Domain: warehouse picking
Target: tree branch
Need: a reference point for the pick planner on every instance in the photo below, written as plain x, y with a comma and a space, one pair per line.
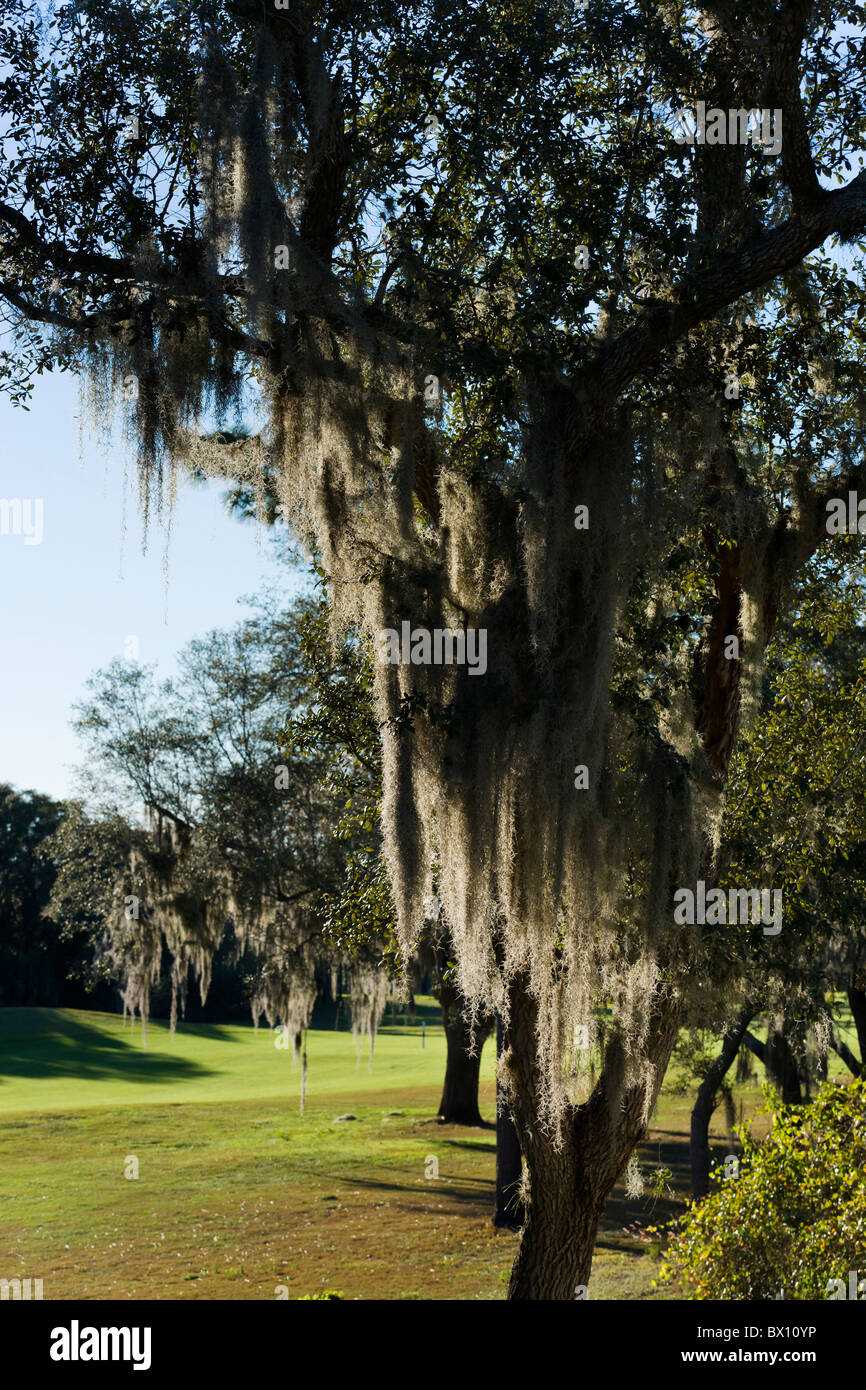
755, 1045
761, 259
798, 168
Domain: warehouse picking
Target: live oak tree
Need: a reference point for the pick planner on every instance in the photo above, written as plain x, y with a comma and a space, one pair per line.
528, 365
114, 883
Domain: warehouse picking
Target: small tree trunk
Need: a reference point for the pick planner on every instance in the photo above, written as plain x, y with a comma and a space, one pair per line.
705, 1104
508, 1208
459, 1103
782, 1065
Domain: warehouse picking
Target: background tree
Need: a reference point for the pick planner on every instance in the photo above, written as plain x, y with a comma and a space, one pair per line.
33, 964
89, 854
236, 837
363, 204
791, 1222
795, 817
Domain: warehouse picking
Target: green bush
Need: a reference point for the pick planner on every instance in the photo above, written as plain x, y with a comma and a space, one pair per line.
793, 1220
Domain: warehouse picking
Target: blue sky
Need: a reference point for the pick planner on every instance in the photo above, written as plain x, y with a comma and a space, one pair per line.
84, 593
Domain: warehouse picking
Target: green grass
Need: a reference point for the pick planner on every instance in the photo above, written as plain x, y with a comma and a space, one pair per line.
68, 1057
238, 1195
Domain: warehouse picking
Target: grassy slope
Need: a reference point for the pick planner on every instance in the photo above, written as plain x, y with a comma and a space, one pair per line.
238, 1194
63, 1057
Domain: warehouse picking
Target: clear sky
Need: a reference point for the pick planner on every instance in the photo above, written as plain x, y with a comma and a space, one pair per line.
85, 593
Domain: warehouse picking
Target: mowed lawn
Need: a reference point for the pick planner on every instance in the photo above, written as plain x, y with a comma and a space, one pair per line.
239, 1196
56, 1058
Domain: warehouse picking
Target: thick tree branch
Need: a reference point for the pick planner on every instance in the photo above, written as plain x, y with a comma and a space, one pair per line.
327, 156
756, 1046
798, 168
58, 255
760, 260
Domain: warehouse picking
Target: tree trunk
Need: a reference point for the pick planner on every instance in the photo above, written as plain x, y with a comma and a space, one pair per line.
556, 1247
780, 1062
571, 1173
459, 1104
782, 1065
508, 1208
705, 1104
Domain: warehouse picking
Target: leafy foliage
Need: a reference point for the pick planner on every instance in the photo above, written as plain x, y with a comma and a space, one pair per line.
795, 1217
30, 961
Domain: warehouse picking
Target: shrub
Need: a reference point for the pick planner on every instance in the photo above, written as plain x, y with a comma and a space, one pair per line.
793, 1220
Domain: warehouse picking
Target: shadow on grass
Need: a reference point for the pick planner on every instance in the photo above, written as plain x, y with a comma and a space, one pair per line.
478, 1145
47, 1043
665, 1150
463, 1190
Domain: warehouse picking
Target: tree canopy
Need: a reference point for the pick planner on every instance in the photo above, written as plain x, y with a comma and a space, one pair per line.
531, 367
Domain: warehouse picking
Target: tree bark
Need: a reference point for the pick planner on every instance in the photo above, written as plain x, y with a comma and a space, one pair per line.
508, 1208
565, 1205
705, 1104
571, 1173
782, 1065
780, 1062
459, 1103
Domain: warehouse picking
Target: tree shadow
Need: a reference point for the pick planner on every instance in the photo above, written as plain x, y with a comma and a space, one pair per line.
57, 1045
666, 1149
464, 1190
479, 1146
